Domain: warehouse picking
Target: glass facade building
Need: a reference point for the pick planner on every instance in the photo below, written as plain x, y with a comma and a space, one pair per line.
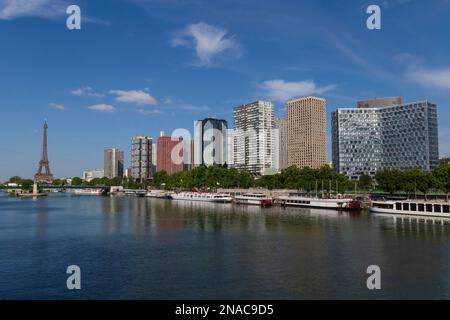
368, 139
210, 146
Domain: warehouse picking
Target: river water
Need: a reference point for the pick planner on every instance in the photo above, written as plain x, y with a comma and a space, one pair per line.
139, 248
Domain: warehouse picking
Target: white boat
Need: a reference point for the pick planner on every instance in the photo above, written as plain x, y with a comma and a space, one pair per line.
159, 194
206, 197
336, 204
412, 208
259, 199
88, 192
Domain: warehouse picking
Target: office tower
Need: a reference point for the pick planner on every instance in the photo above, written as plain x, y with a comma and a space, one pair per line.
367, 139
253, 145
89, 175
307, 132
154, 157
210, 142
188, 154
170, 154
230, 148
280, 143
141, 158
113, 163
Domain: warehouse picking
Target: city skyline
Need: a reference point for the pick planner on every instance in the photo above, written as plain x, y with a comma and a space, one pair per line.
155, 76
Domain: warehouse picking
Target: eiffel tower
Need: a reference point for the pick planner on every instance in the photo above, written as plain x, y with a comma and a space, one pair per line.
44, 165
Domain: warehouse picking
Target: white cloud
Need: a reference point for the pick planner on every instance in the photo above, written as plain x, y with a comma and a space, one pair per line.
207, 40
102, 107
86, 91
148, 112
138, 97
11, 9
281, 90
57, 106
47, 9
437, 78
189, 107
167, 101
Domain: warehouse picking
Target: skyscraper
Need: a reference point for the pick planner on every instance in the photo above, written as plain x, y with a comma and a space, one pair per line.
253, 145
188, 154
210, 142
307, 132
154, 157
141, 158
113, 163
280, 144
170, 154
378, 135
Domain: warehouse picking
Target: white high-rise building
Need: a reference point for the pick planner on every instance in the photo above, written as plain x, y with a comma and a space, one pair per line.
280, 144
230, 148
253, 141
154, 157
89, 175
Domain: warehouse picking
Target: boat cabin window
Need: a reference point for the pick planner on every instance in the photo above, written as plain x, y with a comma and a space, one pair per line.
406, 206
437, 208
446, 208
398, 206
385, 206
421, 207
429, 207
413, 207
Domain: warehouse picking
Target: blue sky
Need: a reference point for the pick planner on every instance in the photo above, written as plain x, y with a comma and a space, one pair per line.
137, 67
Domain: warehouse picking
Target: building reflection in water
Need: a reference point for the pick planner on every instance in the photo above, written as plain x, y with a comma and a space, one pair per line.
179, 249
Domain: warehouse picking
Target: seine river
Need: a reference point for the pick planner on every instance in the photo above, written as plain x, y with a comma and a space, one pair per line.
138, 248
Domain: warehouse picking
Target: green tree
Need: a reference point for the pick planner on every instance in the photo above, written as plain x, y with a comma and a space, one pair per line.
160, 178
441, 176
365, 182
27, 184
388, 180
76, 181
424, 182
15, 179
59, 182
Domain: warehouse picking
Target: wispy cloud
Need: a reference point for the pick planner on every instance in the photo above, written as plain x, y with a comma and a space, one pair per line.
193, 108
281, 90
138, 97
434, 78
58, 106
102, 107
148, 112
207, 40
393, 3
11, 9
46, 9
86, 91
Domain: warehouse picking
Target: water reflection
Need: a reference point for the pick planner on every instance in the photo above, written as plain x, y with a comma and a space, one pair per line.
152, 248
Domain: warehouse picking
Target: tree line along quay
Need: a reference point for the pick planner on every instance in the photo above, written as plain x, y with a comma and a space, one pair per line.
409, 182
